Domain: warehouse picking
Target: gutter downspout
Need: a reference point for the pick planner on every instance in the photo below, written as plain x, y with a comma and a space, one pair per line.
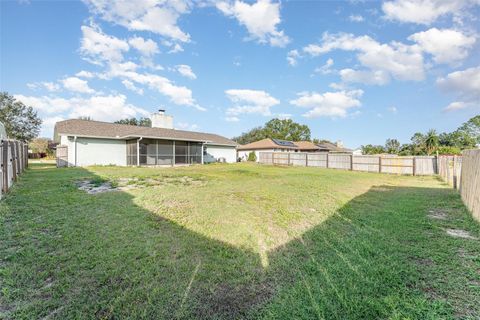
202, 151
138, 150
75, 141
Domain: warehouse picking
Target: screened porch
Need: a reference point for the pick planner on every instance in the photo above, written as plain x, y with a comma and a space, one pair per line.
155, 152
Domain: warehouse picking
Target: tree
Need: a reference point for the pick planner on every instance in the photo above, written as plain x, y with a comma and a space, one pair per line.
253, 135
392, 146
39, 145
372, 149
470, 132
252, 156
418, 143
141, 122
431, 141
21, 122
285, 129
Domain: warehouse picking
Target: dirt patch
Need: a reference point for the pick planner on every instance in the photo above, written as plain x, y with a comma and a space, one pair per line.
437, 214
229, 302
124, 184
459, 233
92, 187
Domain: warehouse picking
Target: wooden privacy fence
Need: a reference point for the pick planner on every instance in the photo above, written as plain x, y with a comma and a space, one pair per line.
450, 169
13, 161
470, 181
424, 165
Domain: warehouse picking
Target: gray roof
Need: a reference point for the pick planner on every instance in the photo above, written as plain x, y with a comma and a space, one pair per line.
98, 129
327, 146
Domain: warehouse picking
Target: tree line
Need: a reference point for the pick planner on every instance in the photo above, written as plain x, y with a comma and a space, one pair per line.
467, 136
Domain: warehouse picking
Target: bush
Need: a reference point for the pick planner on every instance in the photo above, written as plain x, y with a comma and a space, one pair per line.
449, 150
252, 156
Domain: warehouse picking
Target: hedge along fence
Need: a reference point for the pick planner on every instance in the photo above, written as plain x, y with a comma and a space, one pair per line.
424, 165
470, 181
13, 161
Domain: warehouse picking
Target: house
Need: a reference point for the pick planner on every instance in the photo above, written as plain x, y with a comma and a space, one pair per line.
333, 147
276, 145
90, 142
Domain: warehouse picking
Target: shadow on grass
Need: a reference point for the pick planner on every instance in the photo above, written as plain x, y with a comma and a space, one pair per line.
67, 254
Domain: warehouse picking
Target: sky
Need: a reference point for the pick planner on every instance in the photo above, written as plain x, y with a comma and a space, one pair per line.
355, 71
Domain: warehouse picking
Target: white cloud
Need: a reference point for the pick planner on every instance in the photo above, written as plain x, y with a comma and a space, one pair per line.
103, 108
260, 18
85, 74
98, 47
250, 102
178, 94
48, 124
400, 61
130, 86
424, 11
176, 48
328, 104
187, 126
292, 57
49, 86
465, 84
356, 18
146, 47
186, 71
326, 68
160, 17
45, 104
457, 105
446, 45
393, 110
76, 85
378, 77
232, 119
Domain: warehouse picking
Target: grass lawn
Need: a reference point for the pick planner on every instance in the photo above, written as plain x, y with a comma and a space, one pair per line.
236, 241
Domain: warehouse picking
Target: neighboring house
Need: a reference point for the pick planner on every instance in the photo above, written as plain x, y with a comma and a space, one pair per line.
102, 143
265, 145
333, 147
276, 145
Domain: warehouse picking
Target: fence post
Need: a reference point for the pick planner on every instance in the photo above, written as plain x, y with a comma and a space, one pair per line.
288, 163
454, 172
351, 162
306, 159
327, 161
414, 165
380, 164
5, 165
14, 165
26, 156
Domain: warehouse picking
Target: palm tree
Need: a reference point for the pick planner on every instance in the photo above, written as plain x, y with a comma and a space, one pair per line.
431, 141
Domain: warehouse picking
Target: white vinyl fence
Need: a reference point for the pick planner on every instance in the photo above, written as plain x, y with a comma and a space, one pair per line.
13, 161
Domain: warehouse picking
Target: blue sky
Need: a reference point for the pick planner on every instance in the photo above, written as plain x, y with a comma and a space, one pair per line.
357, 71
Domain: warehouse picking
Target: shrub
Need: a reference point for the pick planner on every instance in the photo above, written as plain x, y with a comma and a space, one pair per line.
448, 150
252, 156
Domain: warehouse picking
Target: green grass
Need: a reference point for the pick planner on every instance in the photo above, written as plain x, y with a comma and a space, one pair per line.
235, 241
